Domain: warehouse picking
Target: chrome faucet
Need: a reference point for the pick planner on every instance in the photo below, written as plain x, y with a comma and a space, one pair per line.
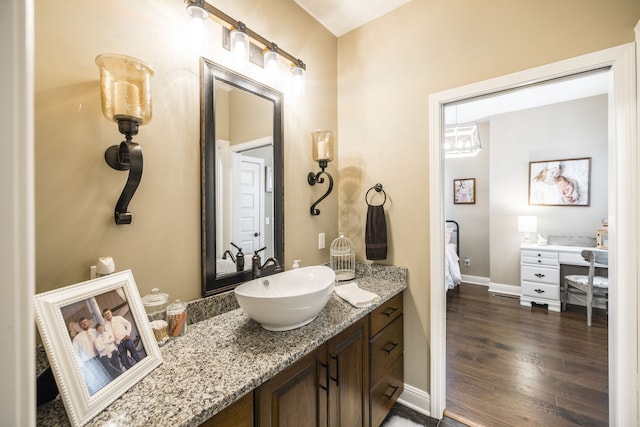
257, 266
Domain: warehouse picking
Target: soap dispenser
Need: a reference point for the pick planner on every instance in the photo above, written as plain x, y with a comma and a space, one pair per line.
239, 258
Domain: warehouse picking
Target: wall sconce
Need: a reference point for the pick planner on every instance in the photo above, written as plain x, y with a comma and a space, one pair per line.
199, 9
272, 63
299, 80
240, 46
322, 152
126, 99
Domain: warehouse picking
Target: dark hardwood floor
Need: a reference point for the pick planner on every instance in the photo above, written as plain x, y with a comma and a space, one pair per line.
509, 365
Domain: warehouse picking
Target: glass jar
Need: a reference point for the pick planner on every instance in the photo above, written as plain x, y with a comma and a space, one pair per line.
155, 305
177, 318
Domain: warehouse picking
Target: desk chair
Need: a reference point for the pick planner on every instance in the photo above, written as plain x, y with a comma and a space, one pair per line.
586, 288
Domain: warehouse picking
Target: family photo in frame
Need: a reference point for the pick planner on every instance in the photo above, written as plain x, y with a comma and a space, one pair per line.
563, 182
98, 341
464, 191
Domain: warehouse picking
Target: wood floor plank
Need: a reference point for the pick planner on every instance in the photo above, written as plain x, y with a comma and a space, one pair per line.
509, 365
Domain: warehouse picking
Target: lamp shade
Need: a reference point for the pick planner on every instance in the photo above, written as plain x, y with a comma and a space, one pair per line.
527, 224
239, 47
299, 80
322, 149
125, 87
272, 65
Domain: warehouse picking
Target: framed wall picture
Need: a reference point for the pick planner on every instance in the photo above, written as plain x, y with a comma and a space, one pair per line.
563, 182
98, 341
464, 191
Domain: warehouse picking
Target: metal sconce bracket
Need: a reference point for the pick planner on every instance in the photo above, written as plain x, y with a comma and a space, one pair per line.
126, 156
314, 178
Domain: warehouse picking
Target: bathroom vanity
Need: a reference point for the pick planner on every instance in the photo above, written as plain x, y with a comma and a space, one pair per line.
343, 369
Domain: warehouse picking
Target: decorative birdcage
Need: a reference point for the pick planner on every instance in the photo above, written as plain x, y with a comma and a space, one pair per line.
343, 258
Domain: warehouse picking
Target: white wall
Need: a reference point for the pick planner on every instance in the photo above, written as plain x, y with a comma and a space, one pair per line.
472, 219
561, 131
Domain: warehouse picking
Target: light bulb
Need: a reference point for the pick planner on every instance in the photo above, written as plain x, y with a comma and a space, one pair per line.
239, 48
272, 66
298, 80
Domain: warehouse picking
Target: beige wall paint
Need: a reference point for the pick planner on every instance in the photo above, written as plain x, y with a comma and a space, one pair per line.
76, 190
387, 69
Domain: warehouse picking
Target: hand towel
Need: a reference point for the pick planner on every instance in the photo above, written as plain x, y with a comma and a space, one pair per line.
376, 233
355, 296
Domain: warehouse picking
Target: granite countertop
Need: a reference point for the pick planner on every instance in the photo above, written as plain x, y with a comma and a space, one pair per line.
224, 357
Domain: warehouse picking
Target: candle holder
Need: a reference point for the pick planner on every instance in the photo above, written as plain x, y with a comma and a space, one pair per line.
322, 152
126, 99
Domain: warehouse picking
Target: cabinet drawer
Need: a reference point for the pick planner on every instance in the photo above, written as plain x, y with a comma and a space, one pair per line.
386, 348
541, 290
385, 393
385, 314
540, 261
539, 254
540, 274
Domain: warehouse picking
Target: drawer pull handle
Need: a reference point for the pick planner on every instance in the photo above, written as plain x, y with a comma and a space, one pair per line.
326, 376
395, 389
539, 260
337, 378
389, 349
389, 311
540, 291
539, 275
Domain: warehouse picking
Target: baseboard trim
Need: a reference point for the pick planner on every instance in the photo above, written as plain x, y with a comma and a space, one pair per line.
416, 399
475, 280
511, 290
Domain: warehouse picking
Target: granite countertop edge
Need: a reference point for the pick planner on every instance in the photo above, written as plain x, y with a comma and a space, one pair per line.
197, 381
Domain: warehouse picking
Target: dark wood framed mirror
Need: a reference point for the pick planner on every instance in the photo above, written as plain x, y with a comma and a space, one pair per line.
241, 158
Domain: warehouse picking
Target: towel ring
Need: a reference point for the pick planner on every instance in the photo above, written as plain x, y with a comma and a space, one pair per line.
378, 188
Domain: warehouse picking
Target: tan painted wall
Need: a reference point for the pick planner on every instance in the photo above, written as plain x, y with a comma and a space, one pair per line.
387, 70
76, 190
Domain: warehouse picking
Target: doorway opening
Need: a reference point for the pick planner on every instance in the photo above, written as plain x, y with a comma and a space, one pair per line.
622, 164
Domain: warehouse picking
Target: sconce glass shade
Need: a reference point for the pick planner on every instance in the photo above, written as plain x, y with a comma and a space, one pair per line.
239, 47
125, 87
322, 149
272, 65
461, 140
197, 13
299, 82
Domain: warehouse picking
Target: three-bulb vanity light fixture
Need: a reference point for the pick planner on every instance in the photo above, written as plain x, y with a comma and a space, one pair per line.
322, 152
126, 99
248, 46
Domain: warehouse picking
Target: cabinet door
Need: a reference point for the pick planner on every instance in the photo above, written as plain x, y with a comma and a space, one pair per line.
292, 398
349, 377
239, 414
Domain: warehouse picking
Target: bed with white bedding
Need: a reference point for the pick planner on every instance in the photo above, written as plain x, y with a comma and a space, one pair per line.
451, 251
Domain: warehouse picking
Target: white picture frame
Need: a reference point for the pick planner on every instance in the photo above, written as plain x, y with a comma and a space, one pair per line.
87, 384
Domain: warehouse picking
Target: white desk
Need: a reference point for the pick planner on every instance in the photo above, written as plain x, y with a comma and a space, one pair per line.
540, 272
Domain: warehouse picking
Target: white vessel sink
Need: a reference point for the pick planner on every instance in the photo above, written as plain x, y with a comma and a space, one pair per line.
287, 300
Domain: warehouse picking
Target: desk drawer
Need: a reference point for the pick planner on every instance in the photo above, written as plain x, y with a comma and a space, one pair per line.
541, 290
540, 274
539, 257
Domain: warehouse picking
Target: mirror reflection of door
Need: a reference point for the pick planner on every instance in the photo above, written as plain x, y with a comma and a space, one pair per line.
244, 148
248, 202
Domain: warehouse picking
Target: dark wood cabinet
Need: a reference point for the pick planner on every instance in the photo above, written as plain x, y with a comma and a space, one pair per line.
295, 396
348, 357
386, 352
238, 414
352, 380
